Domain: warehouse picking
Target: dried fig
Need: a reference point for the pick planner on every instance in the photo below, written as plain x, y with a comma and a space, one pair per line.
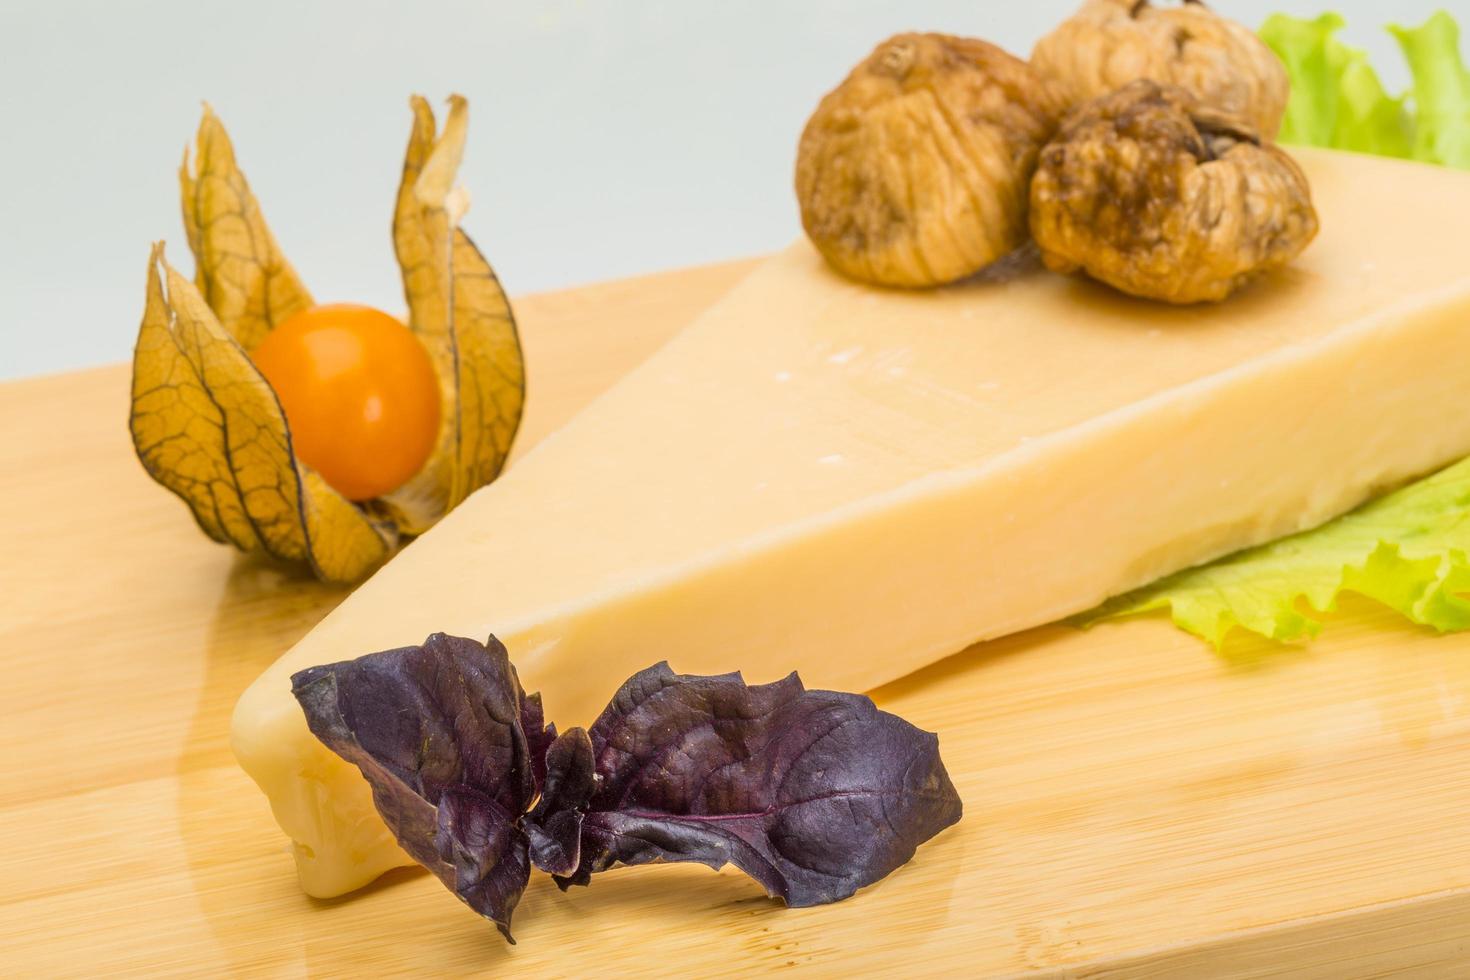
913, 171
1109, 43
1159, 197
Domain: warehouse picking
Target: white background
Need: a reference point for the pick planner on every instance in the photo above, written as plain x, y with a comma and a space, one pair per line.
607, 137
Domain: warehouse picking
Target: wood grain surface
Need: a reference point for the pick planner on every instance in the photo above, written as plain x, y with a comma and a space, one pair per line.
1135, 805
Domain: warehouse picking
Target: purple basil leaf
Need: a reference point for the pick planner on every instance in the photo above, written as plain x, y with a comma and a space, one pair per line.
814, 794
556, 843
487, 851
539, 735
570, 773
430, 723
555, 826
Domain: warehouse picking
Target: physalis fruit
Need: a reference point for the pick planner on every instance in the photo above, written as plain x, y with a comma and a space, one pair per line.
322, 435
360, 395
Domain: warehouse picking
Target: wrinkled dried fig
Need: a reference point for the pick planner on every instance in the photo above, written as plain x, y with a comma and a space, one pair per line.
913, 171
1109, 43
1159, 197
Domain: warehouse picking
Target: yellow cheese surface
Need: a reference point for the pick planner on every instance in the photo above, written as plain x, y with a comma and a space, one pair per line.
821, 476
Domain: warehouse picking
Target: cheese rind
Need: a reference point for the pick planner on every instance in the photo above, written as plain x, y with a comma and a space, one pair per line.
853, 483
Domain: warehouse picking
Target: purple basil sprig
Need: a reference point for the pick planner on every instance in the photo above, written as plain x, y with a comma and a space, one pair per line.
814, 794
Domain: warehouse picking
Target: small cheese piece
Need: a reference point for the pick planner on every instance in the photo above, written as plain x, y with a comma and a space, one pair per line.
822, 476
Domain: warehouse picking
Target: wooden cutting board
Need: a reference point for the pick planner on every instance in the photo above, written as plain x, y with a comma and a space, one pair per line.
1135, 804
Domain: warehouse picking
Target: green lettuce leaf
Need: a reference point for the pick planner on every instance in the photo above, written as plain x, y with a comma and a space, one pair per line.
1337, 99
1407, 549
1441, 90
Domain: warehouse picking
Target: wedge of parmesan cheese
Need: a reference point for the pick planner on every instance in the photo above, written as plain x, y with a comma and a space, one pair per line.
822, 476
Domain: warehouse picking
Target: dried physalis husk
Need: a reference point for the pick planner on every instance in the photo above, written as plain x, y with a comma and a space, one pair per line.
913, 171
206, 423
458, 309
238, 266
1160, 198
1109, 43
207, 426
